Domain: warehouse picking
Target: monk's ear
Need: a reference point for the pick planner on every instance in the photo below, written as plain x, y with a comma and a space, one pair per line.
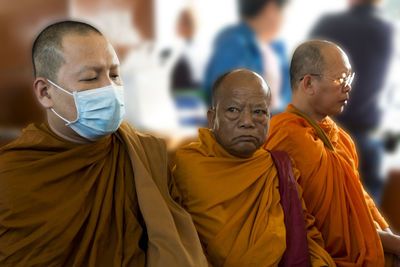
211, 117
41, 87
307, 85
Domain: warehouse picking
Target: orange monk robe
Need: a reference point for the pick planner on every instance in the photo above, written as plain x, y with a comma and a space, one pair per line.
343, 211
98, 204
235, 205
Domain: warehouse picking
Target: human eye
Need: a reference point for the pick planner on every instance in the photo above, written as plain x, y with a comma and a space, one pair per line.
260, 111
88, 76
114, 76
89, 79
233, 109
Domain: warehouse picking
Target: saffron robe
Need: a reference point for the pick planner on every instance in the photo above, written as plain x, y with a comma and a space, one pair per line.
104, 203
235, 205
344, 213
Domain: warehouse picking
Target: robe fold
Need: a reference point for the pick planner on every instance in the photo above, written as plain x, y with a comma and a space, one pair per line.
235, 204
344, 213
104, 203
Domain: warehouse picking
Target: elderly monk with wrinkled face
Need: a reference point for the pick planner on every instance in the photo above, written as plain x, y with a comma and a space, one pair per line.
326, 157
85, 188
243, 199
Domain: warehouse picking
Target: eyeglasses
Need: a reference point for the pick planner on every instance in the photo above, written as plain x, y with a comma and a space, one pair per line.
344, 81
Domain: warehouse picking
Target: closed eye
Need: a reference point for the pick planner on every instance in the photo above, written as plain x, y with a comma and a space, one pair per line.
90, 79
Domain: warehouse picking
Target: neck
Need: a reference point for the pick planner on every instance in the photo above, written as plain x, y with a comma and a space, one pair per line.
259, 27
305, 108
58, 127
354, 3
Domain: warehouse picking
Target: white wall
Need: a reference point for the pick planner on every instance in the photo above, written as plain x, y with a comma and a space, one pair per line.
301, 15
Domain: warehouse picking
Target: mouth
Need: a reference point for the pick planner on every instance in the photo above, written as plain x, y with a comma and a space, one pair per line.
344, 101
245, 138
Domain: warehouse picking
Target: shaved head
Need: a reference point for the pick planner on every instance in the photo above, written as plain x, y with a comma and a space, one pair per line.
308, 58
237, 78
47, 50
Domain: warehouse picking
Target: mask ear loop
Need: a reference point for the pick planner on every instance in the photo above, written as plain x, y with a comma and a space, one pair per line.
61, 117
58, 115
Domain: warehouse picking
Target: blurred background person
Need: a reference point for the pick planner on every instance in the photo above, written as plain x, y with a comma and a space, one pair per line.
368, 40
251, 44
184, 71
146, 76
186, 75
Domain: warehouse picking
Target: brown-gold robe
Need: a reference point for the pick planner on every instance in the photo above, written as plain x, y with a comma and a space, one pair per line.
104, 203
344, 213
235, 205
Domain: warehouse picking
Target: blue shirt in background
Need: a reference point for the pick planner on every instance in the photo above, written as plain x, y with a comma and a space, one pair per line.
237, 47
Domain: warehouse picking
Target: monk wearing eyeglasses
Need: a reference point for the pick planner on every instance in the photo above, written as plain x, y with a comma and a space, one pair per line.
354, 232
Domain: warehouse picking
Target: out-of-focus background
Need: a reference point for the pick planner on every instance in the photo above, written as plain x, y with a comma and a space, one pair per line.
167, 53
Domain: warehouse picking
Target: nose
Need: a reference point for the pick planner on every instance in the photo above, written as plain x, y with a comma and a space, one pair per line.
246, 119
109, 81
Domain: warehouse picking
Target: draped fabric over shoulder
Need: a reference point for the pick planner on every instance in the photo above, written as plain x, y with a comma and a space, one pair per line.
235, 205
65, 204
344, 213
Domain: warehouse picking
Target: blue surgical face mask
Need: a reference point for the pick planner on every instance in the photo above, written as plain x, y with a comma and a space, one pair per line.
99, 111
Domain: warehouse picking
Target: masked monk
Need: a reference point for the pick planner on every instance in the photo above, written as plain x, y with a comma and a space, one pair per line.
243, 199
84, 189
325, 155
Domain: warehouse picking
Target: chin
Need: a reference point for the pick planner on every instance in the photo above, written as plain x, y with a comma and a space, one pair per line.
336, 112
245, 152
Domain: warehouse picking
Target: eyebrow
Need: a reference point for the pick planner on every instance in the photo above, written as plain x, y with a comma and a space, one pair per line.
258, 104
261, 105
96, 68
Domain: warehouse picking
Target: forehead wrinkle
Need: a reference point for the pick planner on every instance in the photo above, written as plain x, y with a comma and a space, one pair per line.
249, 92
254, 99
241, 82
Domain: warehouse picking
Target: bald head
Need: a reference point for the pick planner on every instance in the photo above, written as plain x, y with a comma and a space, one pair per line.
238, 78
47, 50
307, 58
